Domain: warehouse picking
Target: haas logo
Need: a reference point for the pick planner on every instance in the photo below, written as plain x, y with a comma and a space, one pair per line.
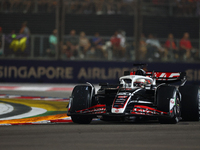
165, 75
172, 101
116, 110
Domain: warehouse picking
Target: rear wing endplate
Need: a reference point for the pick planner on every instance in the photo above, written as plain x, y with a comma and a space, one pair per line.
165, 77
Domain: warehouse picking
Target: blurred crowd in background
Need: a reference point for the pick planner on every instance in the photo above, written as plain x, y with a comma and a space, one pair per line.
117, 47
78, 46
99, 7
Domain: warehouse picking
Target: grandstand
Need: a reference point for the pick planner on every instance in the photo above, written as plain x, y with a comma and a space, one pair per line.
157, 18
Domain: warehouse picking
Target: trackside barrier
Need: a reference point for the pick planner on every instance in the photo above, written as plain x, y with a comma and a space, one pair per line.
39, 71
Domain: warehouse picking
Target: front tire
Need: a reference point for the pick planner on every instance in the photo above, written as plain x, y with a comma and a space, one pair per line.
82, 98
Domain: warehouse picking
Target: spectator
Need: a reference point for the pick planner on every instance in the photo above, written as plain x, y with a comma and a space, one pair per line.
17, 45
122, 35
27, 6
97, 41
24, 29
185, 47
172, 50
127, 6
72, 43
53, 42
76, 8
89, 8
84, 44
14, 43
97, 45
154, 49
180, 7
118, 51
186, 7
110, 9
99, 7
143, 47
66, 52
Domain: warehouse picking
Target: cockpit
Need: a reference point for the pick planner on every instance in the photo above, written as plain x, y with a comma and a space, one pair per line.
135, 81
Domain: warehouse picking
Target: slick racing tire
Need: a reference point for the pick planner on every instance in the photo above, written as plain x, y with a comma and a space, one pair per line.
81, 119
82, 98
190, 103
164, 95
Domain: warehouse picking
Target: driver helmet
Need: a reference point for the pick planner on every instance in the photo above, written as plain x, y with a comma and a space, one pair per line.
140, 83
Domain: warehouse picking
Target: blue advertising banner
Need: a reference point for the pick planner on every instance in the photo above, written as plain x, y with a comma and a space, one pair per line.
38, 71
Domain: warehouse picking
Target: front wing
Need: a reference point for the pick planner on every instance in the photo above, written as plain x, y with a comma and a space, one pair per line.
140, 110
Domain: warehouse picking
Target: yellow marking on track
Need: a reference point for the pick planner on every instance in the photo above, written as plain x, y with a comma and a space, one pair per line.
48, 105
35, 119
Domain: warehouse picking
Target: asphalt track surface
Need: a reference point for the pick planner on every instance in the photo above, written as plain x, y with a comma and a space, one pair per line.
99, 135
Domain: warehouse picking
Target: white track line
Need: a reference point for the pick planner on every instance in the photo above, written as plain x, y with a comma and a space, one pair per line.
5, 108
35, 111
32, 88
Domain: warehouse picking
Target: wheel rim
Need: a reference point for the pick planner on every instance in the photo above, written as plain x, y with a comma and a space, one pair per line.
178, 107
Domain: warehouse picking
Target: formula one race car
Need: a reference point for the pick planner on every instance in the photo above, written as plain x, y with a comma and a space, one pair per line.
140, 94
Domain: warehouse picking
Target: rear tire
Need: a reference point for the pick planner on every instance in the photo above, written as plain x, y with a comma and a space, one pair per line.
164, 95
190, 103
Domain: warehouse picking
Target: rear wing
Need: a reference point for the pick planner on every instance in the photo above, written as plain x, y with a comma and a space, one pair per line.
167, 76
164, 77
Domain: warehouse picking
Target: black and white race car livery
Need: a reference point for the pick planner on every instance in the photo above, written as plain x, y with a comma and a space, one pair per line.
140, 94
